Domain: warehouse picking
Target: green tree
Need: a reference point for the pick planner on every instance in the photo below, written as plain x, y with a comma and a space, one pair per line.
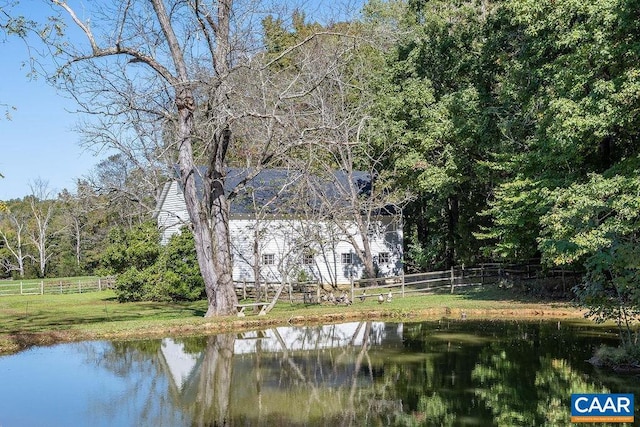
597, 225
178, 276
131, 254
430, 106
148, 271
91, 216
564, 84
138, 247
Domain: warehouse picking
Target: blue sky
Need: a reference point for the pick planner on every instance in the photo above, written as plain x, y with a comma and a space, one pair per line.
38, 142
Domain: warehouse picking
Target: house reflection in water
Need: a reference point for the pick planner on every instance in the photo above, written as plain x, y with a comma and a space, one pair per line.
180, 364
286, 375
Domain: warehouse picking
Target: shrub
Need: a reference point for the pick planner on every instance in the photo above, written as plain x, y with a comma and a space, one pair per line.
132, 285
179, 275
148, 271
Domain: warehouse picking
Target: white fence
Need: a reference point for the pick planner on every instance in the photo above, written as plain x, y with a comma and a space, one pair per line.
64, 286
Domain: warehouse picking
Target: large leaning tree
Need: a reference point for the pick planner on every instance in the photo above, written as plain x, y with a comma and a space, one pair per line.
188, 83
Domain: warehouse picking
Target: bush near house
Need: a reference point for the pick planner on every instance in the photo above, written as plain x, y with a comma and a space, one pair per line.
148, 271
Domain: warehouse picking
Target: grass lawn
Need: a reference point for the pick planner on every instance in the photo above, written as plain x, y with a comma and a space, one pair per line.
47, 319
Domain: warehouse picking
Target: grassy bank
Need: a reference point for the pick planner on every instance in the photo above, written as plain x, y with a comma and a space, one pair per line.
47, 319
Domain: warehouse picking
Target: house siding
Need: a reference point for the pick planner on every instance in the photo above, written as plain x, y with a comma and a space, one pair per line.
172, 213
288, 239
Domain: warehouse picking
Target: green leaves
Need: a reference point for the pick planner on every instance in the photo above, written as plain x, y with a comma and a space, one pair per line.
591, 217
148, 271
597, 224
138, 248
564, 73
516, 210
429, 108
526, 111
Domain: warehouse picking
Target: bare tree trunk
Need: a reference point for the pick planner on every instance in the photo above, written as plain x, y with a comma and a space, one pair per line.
211, 239
226, 296
368, 262
42, 214
15, 247
204, 83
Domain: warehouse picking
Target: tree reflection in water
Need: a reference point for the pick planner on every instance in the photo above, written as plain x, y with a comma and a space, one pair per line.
214, 382
366, 373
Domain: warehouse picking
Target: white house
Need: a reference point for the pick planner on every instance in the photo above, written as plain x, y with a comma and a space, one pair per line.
279, 233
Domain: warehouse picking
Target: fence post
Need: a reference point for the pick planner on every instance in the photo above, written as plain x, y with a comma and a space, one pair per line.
402, 282
99, 285
21, 287
79, 287
41, 287
482, 273
351, 283
244, 288
61, 286
452, 278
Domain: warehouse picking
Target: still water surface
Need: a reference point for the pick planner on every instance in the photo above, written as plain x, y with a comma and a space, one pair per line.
480, 373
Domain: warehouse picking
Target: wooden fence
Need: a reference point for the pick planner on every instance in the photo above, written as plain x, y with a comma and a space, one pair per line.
48, 287
303, 291
421, 283
524, 275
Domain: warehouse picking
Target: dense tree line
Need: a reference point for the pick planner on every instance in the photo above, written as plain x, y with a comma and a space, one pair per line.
503, 111
517, 128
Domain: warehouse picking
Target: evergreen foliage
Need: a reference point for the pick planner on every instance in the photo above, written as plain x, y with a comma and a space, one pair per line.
516, 124
147, 271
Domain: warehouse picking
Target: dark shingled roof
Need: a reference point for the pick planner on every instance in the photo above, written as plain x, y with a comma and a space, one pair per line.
278, 188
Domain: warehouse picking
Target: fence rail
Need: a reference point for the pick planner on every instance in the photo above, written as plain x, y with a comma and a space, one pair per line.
313, 292
456, 278
49, 287
460, 277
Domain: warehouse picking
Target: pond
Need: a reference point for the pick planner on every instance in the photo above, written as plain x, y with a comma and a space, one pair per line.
482, 373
